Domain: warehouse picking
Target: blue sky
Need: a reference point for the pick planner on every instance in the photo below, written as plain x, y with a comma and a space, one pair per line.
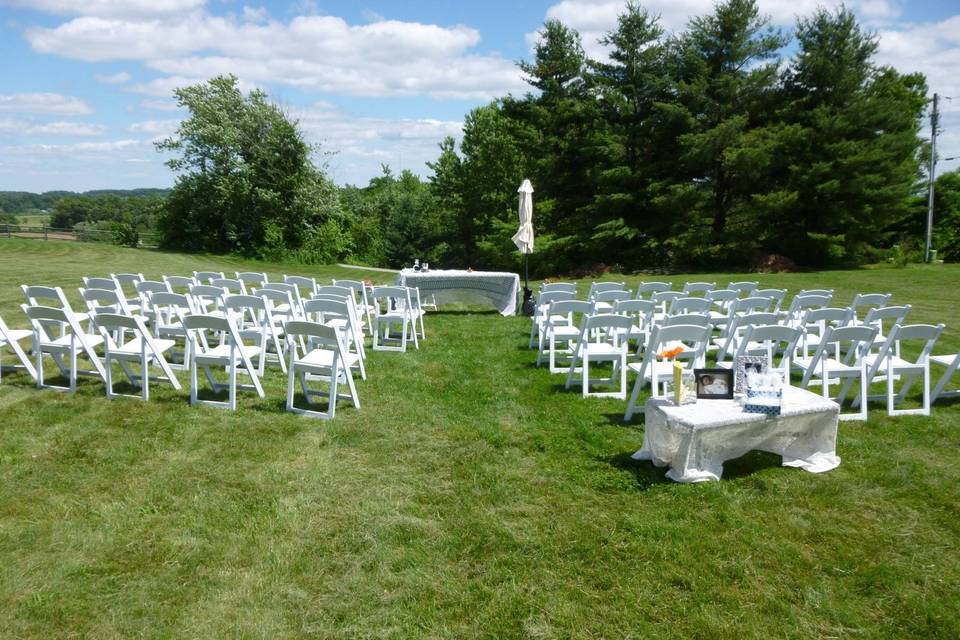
86, 85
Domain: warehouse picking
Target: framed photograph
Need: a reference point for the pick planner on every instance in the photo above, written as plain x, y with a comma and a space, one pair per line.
714, 384
745, 365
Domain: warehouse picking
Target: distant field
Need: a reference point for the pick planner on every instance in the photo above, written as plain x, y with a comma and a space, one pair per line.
37, 219
469, 497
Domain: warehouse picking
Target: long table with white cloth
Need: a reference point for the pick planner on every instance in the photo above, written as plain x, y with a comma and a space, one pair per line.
499, 289
695, 439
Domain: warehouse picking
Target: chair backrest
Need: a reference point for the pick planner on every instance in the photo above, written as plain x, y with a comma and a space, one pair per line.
545, 298
208, 322
697, 319
753, 304
570, 287
390, 297
664, 298
722, 297
206, 276
607, 327
111, 321
636, 307
127, 279
323, 309
694, 337
928, 334
776, 296
599, 287
745, 287
649, 288
816, 292
274, 297
699, 287
345, 292
772, 340
100, 283
146, 287
804, 302
170, 308
208, 298
356, 286
182, 282
689, 305
253, 278
317, 335
307, 286
611, 295
242, 302
233, 286
888, 316
868, 301
837, 316
104, 301
39, 315
574, 312
45, 296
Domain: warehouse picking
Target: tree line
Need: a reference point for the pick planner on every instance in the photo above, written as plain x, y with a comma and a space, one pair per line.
703, 148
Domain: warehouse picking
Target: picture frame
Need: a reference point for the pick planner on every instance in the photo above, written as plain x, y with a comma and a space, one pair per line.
743, 365
714, 384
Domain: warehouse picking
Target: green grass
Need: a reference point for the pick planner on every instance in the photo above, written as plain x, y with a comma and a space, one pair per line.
470, 497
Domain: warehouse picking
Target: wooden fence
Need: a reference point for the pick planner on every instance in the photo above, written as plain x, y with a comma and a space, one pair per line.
148, 240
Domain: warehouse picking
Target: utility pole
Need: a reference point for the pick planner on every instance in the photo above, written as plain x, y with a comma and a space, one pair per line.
934, 118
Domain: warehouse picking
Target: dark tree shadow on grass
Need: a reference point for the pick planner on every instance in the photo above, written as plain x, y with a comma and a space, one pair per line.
643, 471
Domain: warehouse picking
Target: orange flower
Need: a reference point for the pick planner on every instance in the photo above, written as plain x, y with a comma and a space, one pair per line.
666, 355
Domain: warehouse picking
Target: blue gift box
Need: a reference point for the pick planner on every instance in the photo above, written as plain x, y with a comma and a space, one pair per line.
764, 400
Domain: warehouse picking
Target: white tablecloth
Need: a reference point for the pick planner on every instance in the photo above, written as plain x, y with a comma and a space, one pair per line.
695, 439
455, 285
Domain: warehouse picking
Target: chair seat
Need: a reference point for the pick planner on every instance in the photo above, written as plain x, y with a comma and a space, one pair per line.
133, 348
17, 334
565, 333
63, 342
594, 349
836, 368
323, 359
899, 364
946, 360
221, 353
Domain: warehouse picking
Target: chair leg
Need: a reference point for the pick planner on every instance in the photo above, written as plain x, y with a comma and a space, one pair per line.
945, 379
291, 374
632, 403
233, 385
586, 375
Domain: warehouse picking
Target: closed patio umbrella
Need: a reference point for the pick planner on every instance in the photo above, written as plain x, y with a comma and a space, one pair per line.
523, 238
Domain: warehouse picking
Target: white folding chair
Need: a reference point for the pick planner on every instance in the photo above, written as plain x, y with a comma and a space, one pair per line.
603, 338
168, 311
306, 285
563, 321
129, 280
663, 299
840, 357
885, 318
721, 300
40, 296
11, 338
254, 322
147, 287
814, 323
142, 348
604, 301
641, 312
324, 360
951, 363
296, 309
393, 310
732, 334
802, 303
539, 317
71, 344
340, 315
895, 366
693, 338
362, 299
232, 354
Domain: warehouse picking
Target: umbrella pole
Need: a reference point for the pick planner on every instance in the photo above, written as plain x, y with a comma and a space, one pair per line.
528, 305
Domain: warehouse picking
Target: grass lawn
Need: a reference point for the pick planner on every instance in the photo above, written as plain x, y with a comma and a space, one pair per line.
470, 497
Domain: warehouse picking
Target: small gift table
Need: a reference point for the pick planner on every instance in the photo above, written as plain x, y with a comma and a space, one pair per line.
498, 289
695, 439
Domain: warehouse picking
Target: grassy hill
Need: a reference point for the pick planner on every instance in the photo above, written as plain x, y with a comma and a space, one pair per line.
469, 497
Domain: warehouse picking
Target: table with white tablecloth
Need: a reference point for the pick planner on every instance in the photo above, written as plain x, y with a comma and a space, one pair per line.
499, 289
695, 439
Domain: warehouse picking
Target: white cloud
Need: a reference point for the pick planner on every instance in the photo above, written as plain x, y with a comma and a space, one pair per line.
116, 78
44, 104
131, 8
154, 127
65, 129
325, 53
